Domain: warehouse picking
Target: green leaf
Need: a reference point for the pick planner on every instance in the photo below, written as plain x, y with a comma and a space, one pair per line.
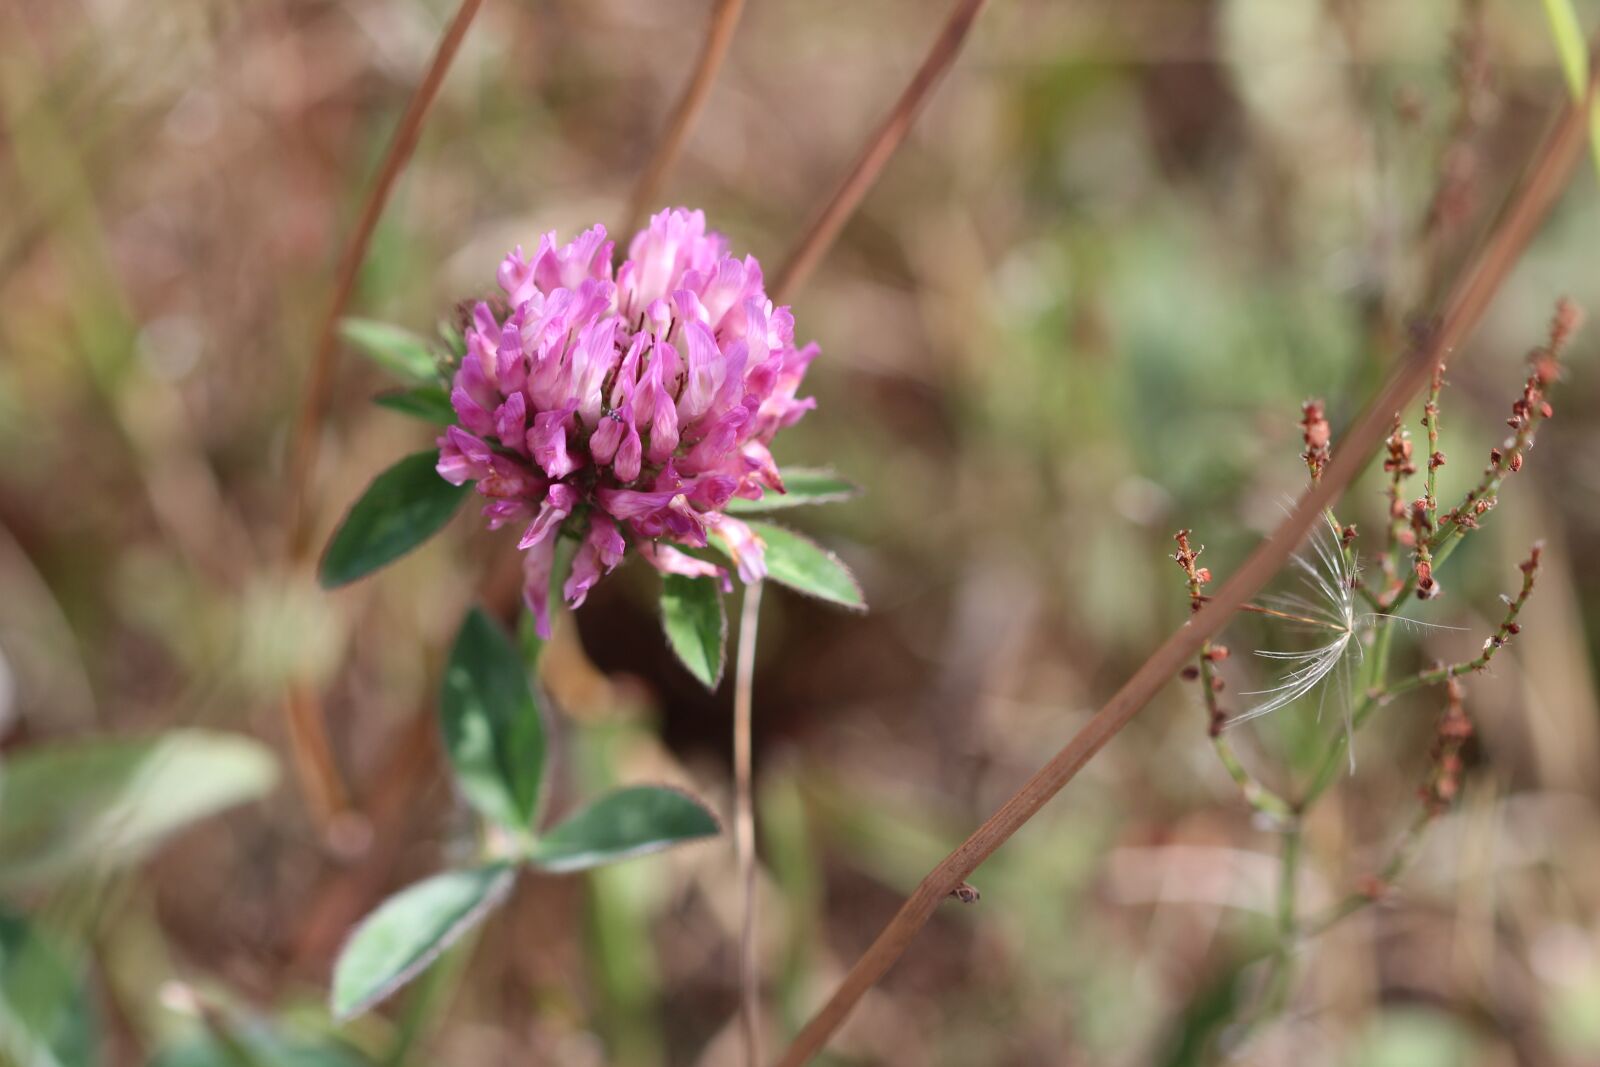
492, 728
71, 807
452, 337
403, 507
802, 564
802, 485
409, 930
697, 628
257, 1046
46, 1014
398, 351
620, 825
430, 403
1573, 51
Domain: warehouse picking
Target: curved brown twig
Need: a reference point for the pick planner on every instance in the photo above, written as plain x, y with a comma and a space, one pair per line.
315, 765
719, 34
1474, 288
822, 231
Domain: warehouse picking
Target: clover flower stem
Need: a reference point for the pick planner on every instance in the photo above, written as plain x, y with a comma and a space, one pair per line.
745, 824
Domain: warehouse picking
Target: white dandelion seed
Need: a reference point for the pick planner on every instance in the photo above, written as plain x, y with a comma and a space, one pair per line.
1330, 609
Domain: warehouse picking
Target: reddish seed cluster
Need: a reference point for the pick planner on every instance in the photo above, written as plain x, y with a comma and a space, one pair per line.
1318, 437
1398, 457
1453, 732
1185, 557
1527, 412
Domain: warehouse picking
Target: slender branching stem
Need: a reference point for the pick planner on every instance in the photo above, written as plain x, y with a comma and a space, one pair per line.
744, 821
1482, 277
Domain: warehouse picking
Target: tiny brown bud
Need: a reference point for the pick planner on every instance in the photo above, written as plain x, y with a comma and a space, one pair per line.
1495, 457
1516, 462
1218, 653
1189, 673
1436, 460
1203, 574
1217, 684
966, 893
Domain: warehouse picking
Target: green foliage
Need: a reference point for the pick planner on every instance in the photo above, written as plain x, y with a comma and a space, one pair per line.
493, 729
803, 565
496, 742
802, 485
81, 806
430, 403
1573, 51
46, 1015
257, 1047
403, 507
620, 825
410, 929
398, 351
695, 624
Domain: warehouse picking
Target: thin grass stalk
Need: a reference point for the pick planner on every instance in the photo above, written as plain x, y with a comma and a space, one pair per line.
880, 148
719, 35
1547, 175
315, 765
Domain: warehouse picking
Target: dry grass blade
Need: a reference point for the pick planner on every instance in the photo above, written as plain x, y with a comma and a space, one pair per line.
1551, 167
313, 754
880, 148
719, 34
303, 445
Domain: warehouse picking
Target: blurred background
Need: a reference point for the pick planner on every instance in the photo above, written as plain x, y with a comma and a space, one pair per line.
1079, 311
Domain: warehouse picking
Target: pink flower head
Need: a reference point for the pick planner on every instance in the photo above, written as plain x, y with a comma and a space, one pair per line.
628, 410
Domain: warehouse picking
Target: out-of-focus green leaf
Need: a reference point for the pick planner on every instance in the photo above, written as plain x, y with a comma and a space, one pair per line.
620, 825
46, 1015
696, 625
1192, 1042
453, 339
409, 930
398, 351
802, 564
430, 403
1573, 51
403, 507
257, 1047
76, 806
802, 485
1413, 1037
492, 728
